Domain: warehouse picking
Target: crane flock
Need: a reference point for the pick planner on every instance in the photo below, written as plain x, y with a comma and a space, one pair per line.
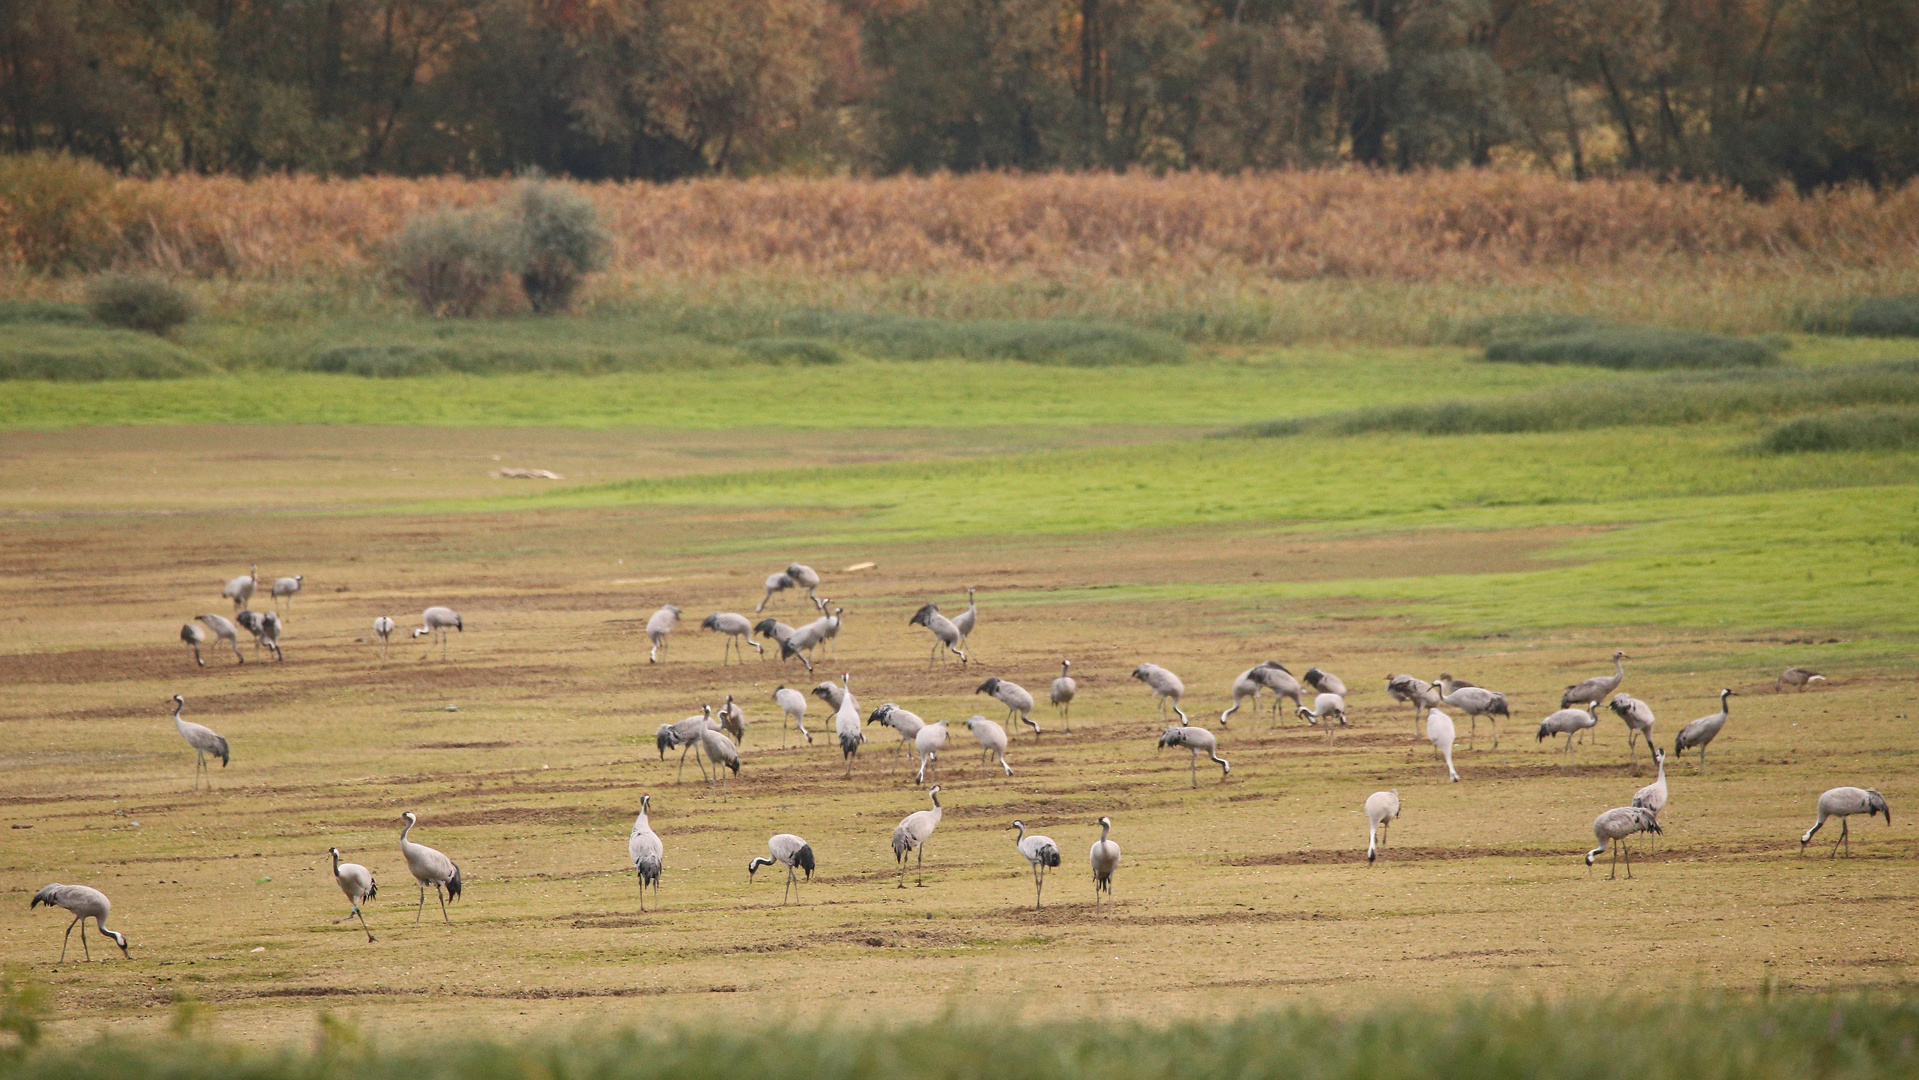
716, 741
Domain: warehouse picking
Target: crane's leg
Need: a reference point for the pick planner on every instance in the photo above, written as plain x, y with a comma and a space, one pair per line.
363, 925
901, 857
442, 896
1844, 825
1628, 847
1472, 733
920, 869
1494, 721
792, 882
422, 908
1194, 769
237, 654
196, 657
1615, 861
69, 938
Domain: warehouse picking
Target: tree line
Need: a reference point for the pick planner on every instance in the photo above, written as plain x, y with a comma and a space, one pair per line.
1757, 93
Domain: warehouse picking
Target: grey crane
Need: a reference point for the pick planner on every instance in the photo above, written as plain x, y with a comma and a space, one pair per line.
1381, 808
1276, 678
774, 583
793, 704
685, 735
1639, 721
830, 692
1447, 684
1703, 730
966, 620
805, 577
1419, 693
1040, 852
1196, 739
1613, 827
912, 833
1441, 733
195, 637
1801, 677
1246, 687
1105, 860
223, 630
775, 632
802, 641
383, 629
722, 753
438, 620
658, 626
846, 723
992, 741
1475, 702
1325, 705
1324, 682
85, 903
906, 723
1569, 722
733, 720
1165, 686
203, 740
430, 867
945, 634
1018, 702
1653, 796
789, 851
240, 589
286, 587
1595, 689
251, 622
928, 741
1064, 689
265, 629
1842, 803
357, 883
648, 855
831, 630
737, 628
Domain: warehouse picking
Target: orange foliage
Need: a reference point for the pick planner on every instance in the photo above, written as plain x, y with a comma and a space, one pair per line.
1468, 226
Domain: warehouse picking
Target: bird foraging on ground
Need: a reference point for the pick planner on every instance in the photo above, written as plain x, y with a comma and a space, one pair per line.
1569, 722
204, 741
722, 753
1040, 852
1639, 720
1325, 706
685, 735
1018, 702
1324, 682
1166, 687
1441, 733
85, 903
1381, 808
658, 626
222, 629
1704, 730
1475, 702
1105, 860
1842, 803
194, 637
789, 851
992, 741
430, 867
908, 724
793, 704
1613, 827
805, 577
911, 834
927, 743
1421, 694
1196, 739
774, 583
738, 630
1800, 677
383, 629
648, 855
438, 620
357, 883
945, 634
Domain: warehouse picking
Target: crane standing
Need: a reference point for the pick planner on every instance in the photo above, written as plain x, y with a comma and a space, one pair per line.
1041, 853
286, 587
240, 589
203, 740
383, 629
648, 855
912, 833
430, 867
1653, 796
1064, 689
1105, 860
1703, 730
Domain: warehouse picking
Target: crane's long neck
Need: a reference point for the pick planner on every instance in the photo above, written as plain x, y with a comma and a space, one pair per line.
1022, 832
1104, 828
407, 829
1725, 705
1619, 668
336, 863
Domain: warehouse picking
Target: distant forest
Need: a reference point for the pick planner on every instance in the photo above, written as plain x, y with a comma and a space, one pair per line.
1757, 93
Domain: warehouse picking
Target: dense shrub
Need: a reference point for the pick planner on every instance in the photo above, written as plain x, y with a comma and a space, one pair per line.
58, 213
1073, 342
1550, 340
559, 242
451, 261
67, 353
1886, 316
1851, 429
139, 302
798, 350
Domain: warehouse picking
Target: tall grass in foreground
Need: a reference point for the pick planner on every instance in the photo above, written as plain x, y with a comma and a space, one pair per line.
1690, 398
1657, 1039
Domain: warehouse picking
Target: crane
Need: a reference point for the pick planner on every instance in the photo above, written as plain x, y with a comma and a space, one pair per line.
1595, 689
1639, 720
1653, 796
912, 833
733, 720
357, 883
793, 704
846, 722
789, 851
1569, 722
1381, 808
1196, 739
286, 587
1476, 702
775, 583
1324, 682
1703, 730
85, 903
1801, 677
966, 620
685, 735
1105, 860
203, 740
1421, 694
1613, 827
1018, 702
658, 626
927, 743
992, 740
1041, 853
906, 723
383, 629
430, 867
1064, 688
223, 630
1441, 733
805, 577
1165, 685
643, 847
722, 753
240, 589
195, 637
737, 629
439, 620
945, 634
1842, 803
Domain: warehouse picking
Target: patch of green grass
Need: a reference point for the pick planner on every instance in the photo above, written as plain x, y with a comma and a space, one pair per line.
1850, 429
1682, 398
1070, 342
56, 350
1645, 1039
1573, 340
1880, 316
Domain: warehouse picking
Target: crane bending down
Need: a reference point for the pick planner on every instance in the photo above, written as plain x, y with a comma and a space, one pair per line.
658, 626
1653, 796
643, 847
793, 704
85, 903
430, 867
912, 833
439, 620
1703, 730
789, 851
223, 630
1569, 722
194, 637
1165, 685
1105, 860
383, 629
945, 634
1018, 702
1421, 694
1274, 676
1842, 803
928, 741
1381, 808
805, 577
722, 753
1476, 702
774, 583
1801, 677
357, 883
1613, 827
1324, 682
906, 723
1041, 853
992, 741
739, 633
204, 741
1325, 705
1196, 739
1441, 733
1639, 720
685, 735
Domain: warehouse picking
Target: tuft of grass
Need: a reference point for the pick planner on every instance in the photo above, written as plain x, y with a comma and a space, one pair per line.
1887, 316
57, 351
1687, 398
1851, 429
1069, 342
797, 350
139, 302
44, 311
1572, 340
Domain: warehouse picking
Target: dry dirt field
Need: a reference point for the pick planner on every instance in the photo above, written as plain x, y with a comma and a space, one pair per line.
526, 750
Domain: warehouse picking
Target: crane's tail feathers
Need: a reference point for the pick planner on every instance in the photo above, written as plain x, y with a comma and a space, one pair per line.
454, 884
1050, 857
805, 860
1498, 707
44, 896
372, 890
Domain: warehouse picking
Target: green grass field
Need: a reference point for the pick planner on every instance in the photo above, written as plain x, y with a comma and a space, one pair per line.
1108, 514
